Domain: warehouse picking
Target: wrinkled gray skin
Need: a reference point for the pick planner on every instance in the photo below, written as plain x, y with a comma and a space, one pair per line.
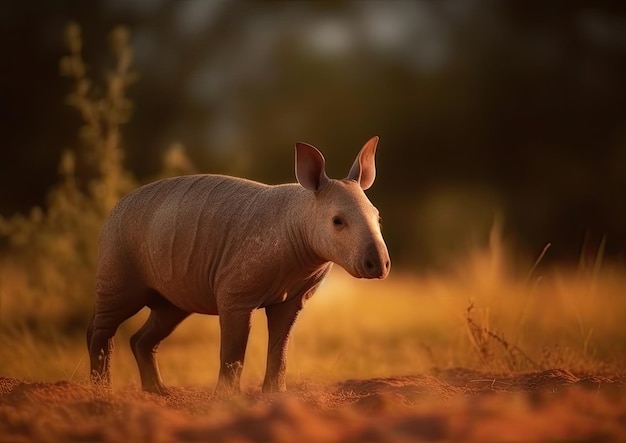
227, 246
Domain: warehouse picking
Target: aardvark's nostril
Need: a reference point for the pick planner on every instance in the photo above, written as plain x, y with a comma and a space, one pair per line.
387, 265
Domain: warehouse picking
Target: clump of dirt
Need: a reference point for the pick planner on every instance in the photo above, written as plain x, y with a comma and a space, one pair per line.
454, 404
8, 384
553, 380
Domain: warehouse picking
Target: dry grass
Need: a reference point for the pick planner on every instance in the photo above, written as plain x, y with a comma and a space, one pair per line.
354, 328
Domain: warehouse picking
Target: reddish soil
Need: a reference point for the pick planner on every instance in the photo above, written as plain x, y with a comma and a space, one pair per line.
450, 405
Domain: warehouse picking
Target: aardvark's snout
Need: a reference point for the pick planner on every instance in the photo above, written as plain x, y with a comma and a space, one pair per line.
376, 263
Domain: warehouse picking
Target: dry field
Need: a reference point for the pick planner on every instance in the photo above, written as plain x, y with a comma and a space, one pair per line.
477, 354
469, 356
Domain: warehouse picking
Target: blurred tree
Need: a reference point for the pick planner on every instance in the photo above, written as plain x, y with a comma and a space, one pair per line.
482, 107
58, 244
103, 114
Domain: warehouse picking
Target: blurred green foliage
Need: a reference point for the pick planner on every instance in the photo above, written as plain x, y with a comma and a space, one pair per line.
48, 258
55, 248
508, 109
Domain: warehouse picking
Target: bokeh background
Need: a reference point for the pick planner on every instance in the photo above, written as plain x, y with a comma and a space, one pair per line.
510, 112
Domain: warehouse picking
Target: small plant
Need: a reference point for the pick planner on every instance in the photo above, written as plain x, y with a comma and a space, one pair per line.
104, 178
50, 253
486, 342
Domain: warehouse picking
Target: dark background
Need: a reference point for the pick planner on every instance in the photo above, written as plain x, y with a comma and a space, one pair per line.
485, 109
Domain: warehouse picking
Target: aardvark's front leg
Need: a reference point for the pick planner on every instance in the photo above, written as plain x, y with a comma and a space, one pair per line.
234, 329
280, 320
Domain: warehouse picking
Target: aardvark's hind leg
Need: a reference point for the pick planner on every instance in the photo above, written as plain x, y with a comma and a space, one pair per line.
110, 312
163, 319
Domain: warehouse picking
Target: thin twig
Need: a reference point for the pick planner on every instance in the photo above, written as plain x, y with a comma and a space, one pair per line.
543, 252
481, 349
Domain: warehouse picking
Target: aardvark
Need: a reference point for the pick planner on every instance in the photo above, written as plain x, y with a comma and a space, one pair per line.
227, 246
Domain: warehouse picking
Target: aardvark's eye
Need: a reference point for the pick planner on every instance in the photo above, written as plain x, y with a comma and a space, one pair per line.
337, 221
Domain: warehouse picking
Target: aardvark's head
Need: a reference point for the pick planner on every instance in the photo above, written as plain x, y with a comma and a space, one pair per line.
346, 226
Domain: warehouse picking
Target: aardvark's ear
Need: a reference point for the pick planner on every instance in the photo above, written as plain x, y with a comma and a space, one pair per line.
310, 164
363, 169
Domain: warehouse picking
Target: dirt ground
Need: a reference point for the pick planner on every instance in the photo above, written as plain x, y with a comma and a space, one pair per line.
448, 405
